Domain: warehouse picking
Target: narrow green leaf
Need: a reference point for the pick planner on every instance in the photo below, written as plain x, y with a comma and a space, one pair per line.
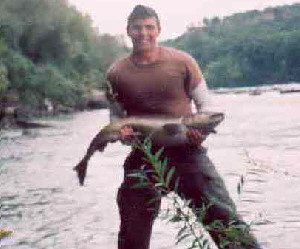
141, 185
181, 231
147, 144
156, 178
158, 153
205, 243
196, 243
137, 175
159, 184
182, 238
176, 218
154, 199
169, 176
164, 164
146, 159
176, 187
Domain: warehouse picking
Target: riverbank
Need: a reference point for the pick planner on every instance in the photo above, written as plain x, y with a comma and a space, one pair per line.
14, 114
292, 87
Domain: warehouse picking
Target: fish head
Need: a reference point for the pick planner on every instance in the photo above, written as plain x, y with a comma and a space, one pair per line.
215, 118
204, 120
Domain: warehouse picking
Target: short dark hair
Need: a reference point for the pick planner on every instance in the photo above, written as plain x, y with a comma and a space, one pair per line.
142, 12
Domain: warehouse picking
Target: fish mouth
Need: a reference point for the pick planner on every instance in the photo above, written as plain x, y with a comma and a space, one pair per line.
217, 117
206, 121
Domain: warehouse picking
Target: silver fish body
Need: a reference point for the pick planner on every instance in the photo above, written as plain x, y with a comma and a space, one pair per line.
164, 131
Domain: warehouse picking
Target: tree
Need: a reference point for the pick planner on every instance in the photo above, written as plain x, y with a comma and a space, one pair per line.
50, 50
3, 79
247, 49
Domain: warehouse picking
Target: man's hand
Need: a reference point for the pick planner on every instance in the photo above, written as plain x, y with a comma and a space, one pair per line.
195, 137
128, 135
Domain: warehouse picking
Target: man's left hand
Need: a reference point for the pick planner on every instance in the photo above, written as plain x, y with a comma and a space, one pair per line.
195, 137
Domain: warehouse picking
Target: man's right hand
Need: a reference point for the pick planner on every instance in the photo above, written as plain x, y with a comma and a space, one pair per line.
127, 134
195, 137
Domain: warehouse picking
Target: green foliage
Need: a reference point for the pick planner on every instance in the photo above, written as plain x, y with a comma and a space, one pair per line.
49, 50
190, 220
224, 72
160, 176
20, 71
49, 83
3, 79
246, 49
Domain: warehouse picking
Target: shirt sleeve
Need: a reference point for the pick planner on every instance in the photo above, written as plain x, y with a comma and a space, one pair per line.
200, 96
196, 86
116, 110
194, 75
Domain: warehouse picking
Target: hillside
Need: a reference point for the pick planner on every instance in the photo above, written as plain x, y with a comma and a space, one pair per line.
247, 49
51, 56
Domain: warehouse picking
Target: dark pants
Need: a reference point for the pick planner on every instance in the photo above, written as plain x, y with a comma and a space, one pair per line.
198, 182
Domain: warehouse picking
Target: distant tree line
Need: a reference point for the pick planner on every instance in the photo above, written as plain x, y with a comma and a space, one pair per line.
247, 49
49, 50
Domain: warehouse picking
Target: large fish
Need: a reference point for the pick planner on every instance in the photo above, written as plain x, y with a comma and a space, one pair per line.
164, 131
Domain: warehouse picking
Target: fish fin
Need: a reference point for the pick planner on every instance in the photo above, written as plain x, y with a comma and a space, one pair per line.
80, 169
213, 131
203, 130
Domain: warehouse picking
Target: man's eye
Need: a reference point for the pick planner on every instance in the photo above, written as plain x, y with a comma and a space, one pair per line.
150, 27
136, 27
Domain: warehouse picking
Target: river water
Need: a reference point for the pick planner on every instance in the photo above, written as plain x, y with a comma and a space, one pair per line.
43, 205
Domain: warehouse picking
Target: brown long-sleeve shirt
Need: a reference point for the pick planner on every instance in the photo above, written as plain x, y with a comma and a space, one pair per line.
166, 86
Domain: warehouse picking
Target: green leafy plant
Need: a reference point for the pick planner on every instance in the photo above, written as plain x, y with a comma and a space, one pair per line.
190, 220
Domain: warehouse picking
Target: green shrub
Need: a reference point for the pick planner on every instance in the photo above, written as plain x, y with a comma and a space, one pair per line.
3, 79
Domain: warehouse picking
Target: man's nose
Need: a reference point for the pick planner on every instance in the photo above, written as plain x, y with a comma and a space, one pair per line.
143, 31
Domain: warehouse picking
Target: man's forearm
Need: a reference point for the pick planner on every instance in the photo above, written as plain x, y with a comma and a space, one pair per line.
200, 96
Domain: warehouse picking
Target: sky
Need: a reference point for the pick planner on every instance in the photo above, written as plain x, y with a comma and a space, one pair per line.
110, 15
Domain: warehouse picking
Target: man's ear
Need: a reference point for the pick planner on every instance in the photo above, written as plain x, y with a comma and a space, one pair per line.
128, 30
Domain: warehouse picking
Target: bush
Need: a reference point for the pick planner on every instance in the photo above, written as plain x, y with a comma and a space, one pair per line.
3, 79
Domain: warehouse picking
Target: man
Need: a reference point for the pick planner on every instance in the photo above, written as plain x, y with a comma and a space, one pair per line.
163, 81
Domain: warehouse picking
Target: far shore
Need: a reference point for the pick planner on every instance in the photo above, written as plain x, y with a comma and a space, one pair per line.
14, 115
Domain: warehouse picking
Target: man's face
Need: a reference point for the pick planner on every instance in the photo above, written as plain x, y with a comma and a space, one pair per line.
143, 34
